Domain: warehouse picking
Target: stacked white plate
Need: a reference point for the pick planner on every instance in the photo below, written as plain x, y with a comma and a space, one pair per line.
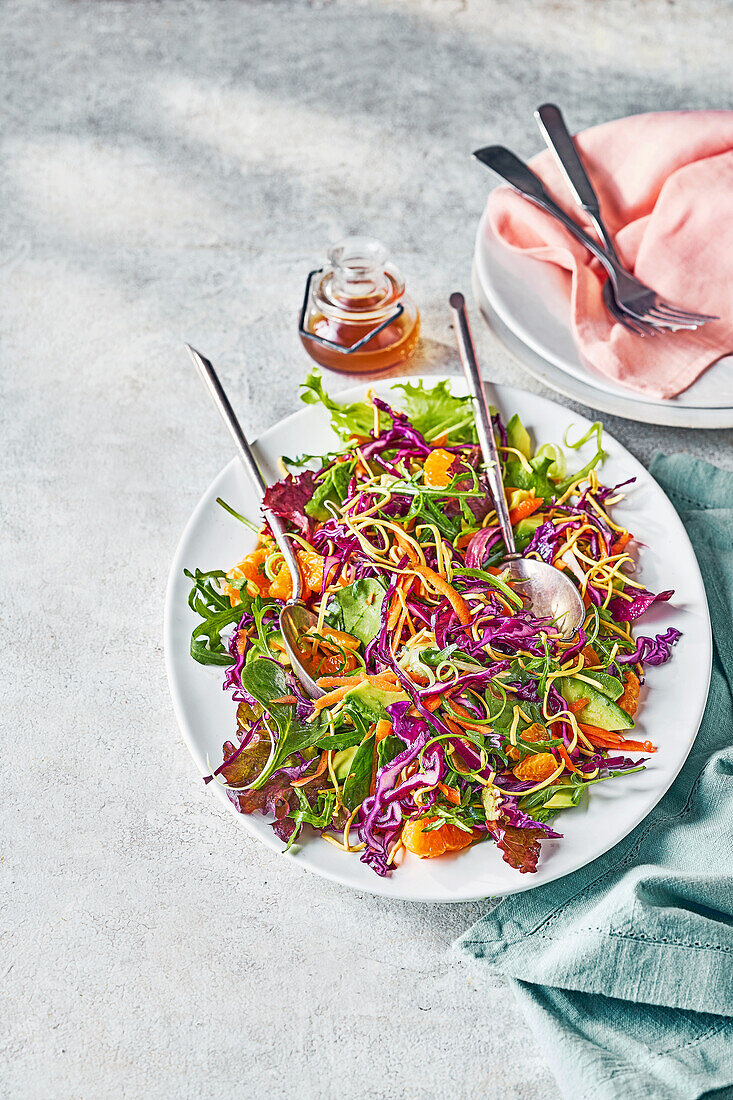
526, 303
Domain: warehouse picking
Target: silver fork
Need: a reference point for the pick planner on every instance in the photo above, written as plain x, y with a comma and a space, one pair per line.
556, 134
636, 299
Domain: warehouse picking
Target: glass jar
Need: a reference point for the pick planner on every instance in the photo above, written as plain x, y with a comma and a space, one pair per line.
356, 316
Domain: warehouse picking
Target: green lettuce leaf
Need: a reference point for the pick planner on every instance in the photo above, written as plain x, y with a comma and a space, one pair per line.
354, 419
319, 815
433, 410
436, 410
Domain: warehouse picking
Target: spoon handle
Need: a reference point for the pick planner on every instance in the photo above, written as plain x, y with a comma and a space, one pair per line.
484, 427
244, 451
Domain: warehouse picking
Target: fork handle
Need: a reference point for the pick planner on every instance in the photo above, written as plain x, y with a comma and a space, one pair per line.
522, 179
556, 134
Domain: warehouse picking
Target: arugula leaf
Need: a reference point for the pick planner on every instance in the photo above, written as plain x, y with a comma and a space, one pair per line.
332, 487
319, 816
217, 613
359, 616
358, 781
436, 410
265, 680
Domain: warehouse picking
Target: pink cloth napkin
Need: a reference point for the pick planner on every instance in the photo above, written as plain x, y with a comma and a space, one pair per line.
665, 184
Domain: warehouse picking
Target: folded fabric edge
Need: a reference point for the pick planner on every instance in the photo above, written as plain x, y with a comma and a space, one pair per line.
631, 966
599, 1051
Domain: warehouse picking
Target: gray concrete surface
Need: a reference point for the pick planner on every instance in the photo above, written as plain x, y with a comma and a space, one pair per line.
170, 171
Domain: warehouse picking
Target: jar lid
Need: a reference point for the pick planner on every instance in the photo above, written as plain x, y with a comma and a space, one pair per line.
358, 282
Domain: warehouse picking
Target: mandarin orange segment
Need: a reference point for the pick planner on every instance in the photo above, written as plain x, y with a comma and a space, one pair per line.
629, 701
536, 768
434, 842
436, 468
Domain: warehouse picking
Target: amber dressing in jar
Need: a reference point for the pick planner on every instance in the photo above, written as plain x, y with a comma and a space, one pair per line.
359, 299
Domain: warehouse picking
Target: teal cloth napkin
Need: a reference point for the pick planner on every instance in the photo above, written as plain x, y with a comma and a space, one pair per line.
624, 969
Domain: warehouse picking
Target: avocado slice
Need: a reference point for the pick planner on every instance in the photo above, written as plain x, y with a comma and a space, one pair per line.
609, 685
342, 762
563, 799
517, 436
599, 710
525, 529
528, 525
371, 702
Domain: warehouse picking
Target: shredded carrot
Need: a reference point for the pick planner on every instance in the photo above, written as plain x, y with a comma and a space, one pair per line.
331, 698
383, 729
440, 584
395, 610
621, 543
566, 757
609, 739
599, 734
339, 681
464, 715
407, 547
285, 699
638, 746
431, 703
387, 675
314, 775
525, 508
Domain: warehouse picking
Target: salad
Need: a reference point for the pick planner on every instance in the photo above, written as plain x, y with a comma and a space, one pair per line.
451, 716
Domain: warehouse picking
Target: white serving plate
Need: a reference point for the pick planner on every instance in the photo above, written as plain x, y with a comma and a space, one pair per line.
529, 300
672, 704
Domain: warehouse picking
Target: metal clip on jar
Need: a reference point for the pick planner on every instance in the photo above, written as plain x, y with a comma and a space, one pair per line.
356, 316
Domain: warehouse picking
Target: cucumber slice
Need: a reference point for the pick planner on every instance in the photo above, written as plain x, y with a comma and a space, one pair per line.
599, 710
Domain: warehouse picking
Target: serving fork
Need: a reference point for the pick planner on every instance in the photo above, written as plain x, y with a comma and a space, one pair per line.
638, 303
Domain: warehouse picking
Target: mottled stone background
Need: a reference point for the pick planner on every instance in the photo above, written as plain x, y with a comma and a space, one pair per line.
170, 172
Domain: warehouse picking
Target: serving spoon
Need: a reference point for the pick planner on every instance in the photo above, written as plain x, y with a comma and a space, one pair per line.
295, 618
551, 594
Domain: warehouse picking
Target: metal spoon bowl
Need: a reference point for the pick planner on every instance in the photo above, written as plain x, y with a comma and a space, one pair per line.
551, 594
295, 618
